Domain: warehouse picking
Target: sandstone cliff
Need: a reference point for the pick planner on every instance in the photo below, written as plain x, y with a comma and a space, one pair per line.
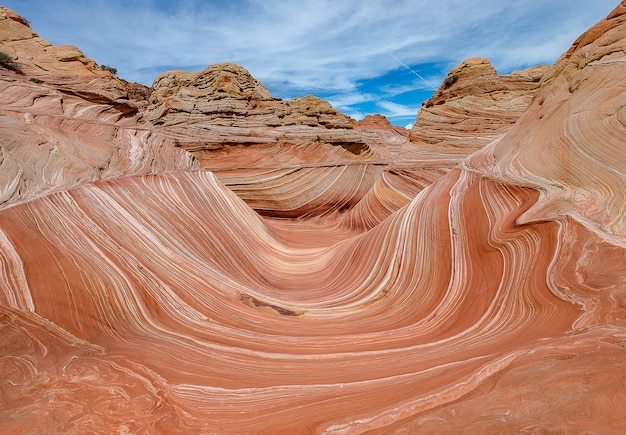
229, 109
312, 151
66, 122
284, 158
473, 106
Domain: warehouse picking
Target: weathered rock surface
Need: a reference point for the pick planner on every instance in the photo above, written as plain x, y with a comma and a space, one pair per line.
473, 106
63, 67
579, 167
285, 158
65, 122
37, 56
305, 151
229, 109
155, 300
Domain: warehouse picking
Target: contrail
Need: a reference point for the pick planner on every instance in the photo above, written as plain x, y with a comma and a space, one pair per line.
414, 72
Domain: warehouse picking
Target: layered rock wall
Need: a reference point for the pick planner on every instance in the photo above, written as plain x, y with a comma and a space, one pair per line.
66, 122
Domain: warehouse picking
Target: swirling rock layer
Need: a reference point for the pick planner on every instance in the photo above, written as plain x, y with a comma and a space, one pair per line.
305, 151
153, 298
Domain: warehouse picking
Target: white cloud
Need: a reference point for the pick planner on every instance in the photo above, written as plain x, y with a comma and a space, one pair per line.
393, 88
315, 46
323, 42
397, 110
350, 99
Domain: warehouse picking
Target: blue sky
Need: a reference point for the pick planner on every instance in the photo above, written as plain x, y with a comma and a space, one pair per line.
364, 57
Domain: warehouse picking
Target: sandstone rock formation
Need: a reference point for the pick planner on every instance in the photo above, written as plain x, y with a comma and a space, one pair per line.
305, 151
66, 122
146, 296
473, 106
229, 109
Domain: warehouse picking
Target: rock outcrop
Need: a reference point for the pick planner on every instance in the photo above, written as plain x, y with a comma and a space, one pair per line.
293, 158
472, 107
37, 56
580, 166
63, 67
155, 300
285, 158
65, 122
229, 109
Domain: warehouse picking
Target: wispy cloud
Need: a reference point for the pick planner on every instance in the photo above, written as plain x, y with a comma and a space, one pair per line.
325, 47
398, 110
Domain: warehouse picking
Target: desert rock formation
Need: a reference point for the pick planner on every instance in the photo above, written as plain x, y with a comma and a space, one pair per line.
145, 290
229, 109
473, 106
66, 122
306, 152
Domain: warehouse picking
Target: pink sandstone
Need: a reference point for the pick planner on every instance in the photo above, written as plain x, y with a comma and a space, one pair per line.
409, 288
